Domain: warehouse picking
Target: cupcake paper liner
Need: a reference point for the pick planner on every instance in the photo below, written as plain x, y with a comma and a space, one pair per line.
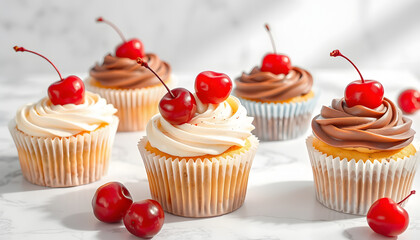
352, 187
135, 106
280, 121
66, 161
198, 188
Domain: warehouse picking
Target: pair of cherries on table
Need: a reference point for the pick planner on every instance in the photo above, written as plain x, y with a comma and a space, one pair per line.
112, 203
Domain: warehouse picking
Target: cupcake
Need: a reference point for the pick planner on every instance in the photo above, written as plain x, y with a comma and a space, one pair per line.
199, 167
362, 149
133, 90
279, 96
65, 139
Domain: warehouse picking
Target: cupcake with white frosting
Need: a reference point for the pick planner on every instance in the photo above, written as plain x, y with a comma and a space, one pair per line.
64, 145
200, 168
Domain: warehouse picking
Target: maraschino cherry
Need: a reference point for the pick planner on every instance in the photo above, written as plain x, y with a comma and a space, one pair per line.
409, 101
369, 93
273, 62
212, 87
111, 201
178, 106
132, 48
69, 90
387, 217
144, 218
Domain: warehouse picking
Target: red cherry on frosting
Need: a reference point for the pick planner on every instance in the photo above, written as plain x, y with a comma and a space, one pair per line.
212, 87
178, 106
132, 49
69, 90
368, 93
111, 201
276, 63
273, 62
409, 101
387, 217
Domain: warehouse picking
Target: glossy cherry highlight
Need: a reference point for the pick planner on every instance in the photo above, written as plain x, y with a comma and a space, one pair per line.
369, 93
178, 106
69, 90
132, 48
409, 101
387, 217
111, 201
212, 87
144, 218
273, 62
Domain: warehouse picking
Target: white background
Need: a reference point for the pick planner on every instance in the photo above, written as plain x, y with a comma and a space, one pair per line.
220, 35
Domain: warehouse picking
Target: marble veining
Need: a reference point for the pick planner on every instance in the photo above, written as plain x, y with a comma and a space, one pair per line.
280, 201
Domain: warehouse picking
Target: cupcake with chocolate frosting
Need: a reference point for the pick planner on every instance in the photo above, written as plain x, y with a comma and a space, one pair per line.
279, 96
362, 150
281, 104
133, 90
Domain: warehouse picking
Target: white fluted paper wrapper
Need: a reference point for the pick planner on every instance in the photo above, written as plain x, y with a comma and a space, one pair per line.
67, 161
280, 121
201, 188
352, 187
135, 106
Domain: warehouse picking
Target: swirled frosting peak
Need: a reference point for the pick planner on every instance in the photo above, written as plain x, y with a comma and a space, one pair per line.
382, 128
125, 73
43, 119
213, 130
266, 86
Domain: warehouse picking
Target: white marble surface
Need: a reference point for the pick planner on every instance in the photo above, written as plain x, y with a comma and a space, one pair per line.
280, 202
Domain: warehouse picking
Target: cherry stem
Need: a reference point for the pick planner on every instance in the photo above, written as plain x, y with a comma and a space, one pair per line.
411, 193
271, 37
21, 49
101, 19
337, 52
144, 64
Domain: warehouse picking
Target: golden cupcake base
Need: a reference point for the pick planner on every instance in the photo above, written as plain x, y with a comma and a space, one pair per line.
199, 186
66, 161
351, 186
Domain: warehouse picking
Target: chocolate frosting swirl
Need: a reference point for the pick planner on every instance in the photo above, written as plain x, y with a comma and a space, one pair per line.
266, 86
382, 128
126, 73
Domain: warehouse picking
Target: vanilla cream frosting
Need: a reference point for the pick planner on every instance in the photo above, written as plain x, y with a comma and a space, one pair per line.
213, 130
43, 119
